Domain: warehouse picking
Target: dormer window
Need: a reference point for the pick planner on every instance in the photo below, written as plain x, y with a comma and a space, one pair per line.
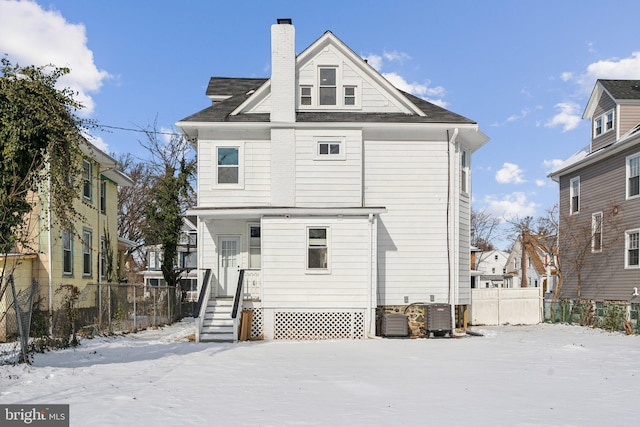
327, 86
603, 123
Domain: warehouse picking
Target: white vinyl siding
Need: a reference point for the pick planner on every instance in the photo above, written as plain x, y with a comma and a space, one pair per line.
286, 282
257, 168
412, 247
336, 181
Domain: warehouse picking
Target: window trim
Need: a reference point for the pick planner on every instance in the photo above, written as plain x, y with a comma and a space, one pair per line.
596, 235
327, 246
103, 196
335, 85
240, 166
602, 128
464, 172
628, 176
87, 249
341, 155
69, 250
250, 246
304, 97
87, 182
572, 195
627, 249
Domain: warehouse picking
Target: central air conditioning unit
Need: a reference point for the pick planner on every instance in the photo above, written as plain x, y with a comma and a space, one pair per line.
395, 325
437, 319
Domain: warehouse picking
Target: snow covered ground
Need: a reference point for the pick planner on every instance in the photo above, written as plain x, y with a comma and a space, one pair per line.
545, 375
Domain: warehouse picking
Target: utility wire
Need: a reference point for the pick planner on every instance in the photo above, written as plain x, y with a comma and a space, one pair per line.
138, 130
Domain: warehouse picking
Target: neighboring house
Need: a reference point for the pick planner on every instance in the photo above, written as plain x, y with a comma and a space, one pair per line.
89, 253
599, 235
540, 263
186, 260
491, 265
334, 194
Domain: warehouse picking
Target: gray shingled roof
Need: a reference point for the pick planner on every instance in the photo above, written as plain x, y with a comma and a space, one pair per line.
622, 89
239, 89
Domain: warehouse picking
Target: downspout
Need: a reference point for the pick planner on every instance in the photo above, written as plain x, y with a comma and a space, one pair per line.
451, 234
372, 318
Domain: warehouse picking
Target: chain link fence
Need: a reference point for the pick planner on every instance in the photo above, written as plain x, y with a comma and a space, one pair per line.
95, 309
608, 315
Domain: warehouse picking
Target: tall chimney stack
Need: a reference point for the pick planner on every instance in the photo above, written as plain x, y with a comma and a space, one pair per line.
283, 72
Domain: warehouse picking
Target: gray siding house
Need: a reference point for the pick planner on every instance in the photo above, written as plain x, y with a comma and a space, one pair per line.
599, 232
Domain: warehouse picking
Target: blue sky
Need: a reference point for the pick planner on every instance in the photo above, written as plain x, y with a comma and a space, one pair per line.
522, 70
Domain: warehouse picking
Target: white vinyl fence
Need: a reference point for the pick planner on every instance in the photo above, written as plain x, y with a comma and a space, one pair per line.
502, 306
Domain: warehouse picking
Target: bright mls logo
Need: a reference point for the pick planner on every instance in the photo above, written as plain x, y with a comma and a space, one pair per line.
35, 415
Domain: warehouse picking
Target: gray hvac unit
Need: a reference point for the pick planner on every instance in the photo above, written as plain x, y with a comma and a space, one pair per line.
437, 318
395, 325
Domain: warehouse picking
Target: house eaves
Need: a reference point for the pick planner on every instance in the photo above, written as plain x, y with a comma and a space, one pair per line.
260, 211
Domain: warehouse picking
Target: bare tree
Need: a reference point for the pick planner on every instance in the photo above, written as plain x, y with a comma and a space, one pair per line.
485, 228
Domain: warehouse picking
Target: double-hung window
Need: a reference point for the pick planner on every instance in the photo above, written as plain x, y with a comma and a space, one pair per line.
596, 232
67, 252
633, 176
305, 95
603, 123
103, 196
464, 172
608, 121
317, 248
86, 179
632, 248
328, 86
228, 165
574, 194
349, 95
86, 252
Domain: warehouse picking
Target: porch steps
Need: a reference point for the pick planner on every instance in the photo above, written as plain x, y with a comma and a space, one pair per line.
217, 324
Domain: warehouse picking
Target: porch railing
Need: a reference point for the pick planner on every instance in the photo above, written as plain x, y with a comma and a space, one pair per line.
201, 306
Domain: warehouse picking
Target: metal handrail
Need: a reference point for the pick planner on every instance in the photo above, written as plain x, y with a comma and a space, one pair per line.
236, 300
203, 291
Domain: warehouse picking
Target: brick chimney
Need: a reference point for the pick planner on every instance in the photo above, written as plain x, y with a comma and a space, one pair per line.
283, 72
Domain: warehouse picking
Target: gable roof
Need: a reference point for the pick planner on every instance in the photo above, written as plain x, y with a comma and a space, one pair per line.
620, 91
232, 92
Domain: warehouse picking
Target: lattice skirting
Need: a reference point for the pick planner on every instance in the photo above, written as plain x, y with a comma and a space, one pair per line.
319, 325
257, 324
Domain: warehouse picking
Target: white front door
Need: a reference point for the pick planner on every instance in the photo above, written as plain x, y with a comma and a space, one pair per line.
228, 265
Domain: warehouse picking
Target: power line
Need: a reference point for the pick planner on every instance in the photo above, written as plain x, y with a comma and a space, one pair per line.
138, 130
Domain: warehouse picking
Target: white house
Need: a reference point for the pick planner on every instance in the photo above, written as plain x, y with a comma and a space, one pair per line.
540, 263
331, 193
491, 265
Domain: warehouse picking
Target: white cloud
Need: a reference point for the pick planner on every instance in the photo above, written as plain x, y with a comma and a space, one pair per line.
431, 94
568, 117
552, 164
396, 56
510, 206
545, 183
509, 174
612, 68
566, 76
31, 35
374, 60
98, 142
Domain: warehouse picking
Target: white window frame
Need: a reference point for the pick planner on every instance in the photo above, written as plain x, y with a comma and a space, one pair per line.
572, 190
335, 85
327, 247
252, 246
330, 142
628, 175
596, 232
67, 237
346, 96
306, 97
629, 246
464, 171
240, 166
601, 123
87, 252
87, 180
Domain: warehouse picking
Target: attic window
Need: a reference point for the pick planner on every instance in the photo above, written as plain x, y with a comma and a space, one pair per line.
305, 95
327, 85
603, 123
